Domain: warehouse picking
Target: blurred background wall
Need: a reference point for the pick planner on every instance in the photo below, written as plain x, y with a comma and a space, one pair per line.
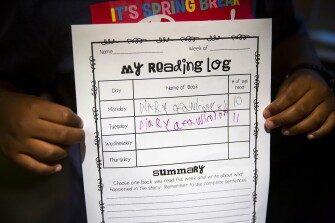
320, 19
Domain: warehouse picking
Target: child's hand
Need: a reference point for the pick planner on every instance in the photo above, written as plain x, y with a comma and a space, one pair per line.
36, 134
304, 105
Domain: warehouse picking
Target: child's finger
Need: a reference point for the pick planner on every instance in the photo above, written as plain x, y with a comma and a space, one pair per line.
294, 113
59, 114
56, 133
326, 128
311, 122
44, 151
35, 166
286, 99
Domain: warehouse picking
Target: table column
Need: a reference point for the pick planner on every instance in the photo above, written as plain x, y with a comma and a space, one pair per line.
117, 124
239, 116
180, 120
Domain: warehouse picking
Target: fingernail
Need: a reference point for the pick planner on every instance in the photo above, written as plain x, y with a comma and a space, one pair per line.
310, 136
266, 114
285, 131
81, 123
269, 124
58, 168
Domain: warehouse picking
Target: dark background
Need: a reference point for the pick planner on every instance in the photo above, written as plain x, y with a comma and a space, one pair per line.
320, 19
302, 176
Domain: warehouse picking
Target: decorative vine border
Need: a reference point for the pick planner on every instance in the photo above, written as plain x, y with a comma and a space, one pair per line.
95, 110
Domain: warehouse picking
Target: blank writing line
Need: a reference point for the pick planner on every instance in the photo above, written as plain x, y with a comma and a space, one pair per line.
176, 195
191, 213
164, 202
197, 219
187, 207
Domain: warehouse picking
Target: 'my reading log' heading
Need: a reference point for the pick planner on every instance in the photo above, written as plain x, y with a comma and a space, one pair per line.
181, 65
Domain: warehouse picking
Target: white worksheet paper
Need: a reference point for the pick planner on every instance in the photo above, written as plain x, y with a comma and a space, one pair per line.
173, 120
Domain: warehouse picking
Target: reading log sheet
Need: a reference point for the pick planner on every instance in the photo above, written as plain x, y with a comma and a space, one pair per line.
173, 120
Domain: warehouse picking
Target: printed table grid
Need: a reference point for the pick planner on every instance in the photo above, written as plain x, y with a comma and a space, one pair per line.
129, 122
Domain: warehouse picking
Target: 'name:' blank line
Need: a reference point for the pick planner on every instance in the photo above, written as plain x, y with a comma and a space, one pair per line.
139, 52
